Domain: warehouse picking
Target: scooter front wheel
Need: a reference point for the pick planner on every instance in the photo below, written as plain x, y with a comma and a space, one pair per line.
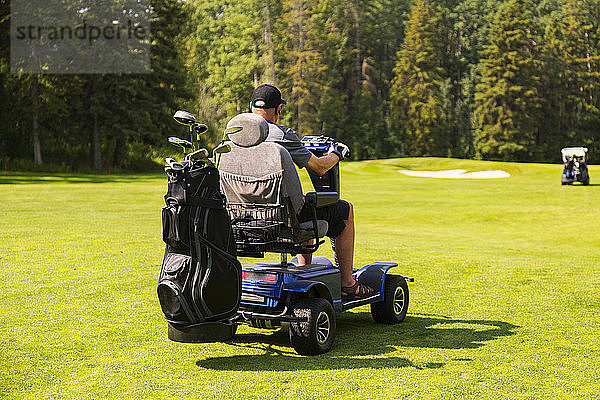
394, 306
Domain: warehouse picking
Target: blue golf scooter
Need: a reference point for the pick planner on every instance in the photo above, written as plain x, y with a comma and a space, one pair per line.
305, 298
205, 293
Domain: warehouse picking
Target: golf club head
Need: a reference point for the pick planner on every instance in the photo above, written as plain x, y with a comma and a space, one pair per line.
186, 144
222, 148
185, 118
200, 128
231, 130
198, 155
172, 165
169, 161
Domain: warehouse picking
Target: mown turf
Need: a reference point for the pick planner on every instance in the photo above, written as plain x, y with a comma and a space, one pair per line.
506, 302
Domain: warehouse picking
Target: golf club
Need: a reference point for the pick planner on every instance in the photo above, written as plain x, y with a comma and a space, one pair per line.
185, 144
220, 149
197, 155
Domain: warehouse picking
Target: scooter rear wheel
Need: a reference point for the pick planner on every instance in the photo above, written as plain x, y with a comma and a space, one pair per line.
315, 336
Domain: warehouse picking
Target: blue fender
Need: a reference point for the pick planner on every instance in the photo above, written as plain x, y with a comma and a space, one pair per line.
302, 286
373, 275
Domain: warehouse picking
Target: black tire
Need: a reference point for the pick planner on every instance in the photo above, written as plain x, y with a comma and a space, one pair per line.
315, 336
393, 308
586, 181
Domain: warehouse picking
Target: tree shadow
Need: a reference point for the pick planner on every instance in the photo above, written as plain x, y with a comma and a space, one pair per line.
362, 344
430, 331
25, 178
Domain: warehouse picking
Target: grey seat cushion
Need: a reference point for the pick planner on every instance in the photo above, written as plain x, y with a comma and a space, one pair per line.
307, 232
254, 129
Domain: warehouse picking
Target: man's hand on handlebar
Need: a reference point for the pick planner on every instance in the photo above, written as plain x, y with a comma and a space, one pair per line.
340, 150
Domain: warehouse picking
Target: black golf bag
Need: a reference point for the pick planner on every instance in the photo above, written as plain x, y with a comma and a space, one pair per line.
199, 285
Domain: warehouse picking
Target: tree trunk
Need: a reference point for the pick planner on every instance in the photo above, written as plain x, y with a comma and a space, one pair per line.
37, 148
97, 145
300, 64
119, 153
358, 62
269, 41
87, 105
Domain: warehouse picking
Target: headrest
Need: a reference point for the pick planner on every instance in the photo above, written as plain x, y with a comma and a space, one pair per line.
247, 129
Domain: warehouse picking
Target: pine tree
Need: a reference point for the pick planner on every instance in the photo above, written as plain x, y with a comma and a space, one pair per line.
558, 110
582, 76
234, 67
466, 26
508, 98
229, 53
417, 87
306, 62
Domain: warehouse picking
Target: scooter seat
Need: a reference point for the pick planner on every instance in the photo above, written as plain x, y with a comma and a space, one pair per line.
306, 230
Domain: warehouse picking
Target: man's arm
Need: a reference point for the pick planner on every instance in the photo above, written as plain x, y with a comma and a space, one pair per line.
320, 165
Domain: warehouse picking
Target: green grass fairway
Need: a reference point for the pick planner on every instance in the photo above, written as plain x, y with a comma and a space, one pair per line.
506, 302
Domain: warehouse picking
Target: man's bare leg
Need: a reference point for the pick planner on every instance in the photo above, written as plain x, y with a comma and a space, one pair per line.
305, 259
344, 249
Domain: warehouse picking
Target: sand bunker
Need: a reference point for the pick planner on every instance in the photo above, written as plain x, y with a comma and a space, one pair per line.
457, 174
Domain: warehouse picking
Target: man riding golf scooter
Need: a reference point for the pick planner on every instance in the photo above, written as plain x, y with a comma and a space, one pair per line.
267, 102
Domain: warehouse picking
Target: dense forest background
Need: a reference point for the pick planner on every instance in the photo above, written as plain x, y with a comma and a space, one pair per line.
488, 79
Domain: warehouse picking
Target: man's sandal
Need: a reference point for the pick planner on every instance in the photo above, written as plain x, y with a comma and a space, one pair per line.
357, 291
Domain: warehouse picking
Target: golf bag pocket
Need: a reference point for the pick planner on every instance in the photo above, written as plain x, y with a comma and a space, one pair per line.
175, 277
175, 220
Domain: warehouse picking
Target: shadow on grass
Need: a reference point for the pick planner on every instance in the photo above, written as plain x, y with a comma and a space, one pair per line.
23, 178
362, 344
441, 332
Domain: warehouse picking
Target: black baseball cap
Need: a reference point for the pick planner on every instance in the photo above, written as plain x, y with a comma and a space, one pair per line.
266, 96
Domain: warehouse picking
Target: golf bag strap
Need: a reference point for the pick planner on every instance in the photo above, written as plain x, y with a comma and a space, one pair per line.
220, 251
201, 202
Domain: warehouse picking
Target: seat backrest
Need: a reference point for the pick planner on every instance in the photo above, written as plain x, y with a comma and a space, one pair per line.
256, 171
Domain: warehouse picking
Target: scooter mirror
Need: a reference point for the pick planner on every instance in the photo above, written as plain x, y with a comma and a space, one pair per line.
185, 118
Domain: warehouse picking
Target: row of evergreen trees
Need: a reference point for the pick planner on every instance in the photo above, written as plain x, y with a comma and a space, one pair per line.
492, 79
518, 86
93, 121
